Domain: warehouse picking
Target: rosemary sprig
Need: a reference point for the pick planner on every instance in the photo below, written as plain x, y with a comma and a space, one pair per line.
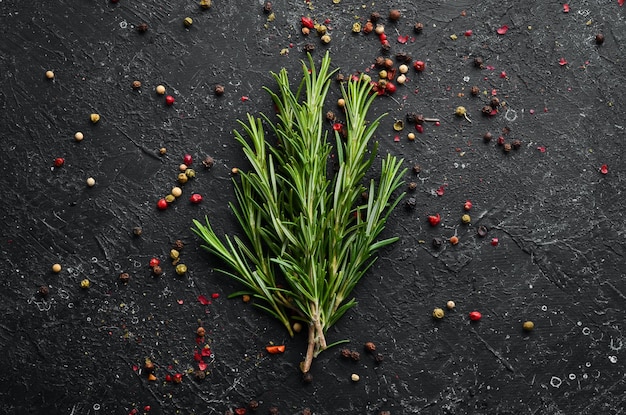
309, 238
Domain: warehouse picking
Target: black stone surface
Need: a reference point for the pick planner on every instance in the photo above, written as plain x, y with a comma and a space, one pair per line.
559, 221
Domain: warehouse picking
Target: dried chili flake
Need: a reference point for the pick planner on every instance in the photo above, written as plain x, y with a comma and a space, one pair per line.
275, 349
215, 296
542, 149
403, 39
440, 191
202, 365
604, 169
206, 351
503, 74
245, 98
502, 30
468, 33
396, 138
566, 8
562, 62
307, 22
203, 300
197, 356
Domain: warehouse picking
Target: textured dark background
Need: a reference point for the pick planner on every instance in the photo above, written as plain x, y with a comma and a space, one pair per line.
559, 221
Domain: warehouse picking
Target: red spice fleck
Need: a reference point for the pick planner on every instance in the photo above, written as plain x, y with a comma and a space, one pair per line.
419, 128
337, 126
531, 112
494, 241
542, 149
240, 411
467, 205
468, 33
168, 378
215, 296
419, 66
245, 98
178, 378
147, 408
434, 220
382, 37
475, 315
169, 100
202, 365
503, 74
604, 169
188, 159
206, 351
620, 2
154, 262
502, 30
59, 162
440, 191
307, 22
203, 300
396, 138
403, 39
562, 62
566, 8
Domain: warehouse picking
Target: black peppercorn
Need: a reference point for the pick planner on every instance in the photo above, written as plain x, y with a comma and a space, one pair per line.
419, 119
417, 169
307, 377
418, 28
486, 110
495, 102
253, 405
369, 347
403, 57
142, 27
517, 144
124, 277
475, 90
354, 355
178, 245
267, 7
274, 410
43, 291
410, 203
437, 242
379, 358
394, 15
345, 353
412, 186
410, 117
385, 47
487, 137
308, 47
307, 411
599, 39
137, 231
208, 162
374, 17
340, 77
330, 116
478, 62
384, 413
218, 90
199, 375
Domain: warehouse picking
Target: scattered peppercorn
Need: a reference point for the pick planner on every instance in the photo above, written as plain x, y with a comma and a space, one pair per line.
160, 89
91, 182
369, 347
307, 377
450, 305
379, 358
181, 269
178, 245
374, 17
234, 171
124, 277
417, 169
142, 27
418, 27
208, 162
218, 90
438, 313
200, 332
199, 375
436, 243
85, 283
454, 240
253, 405
466, 219
308, 47
528, 326
507, 147
136, 84
56, 268
482, 231
137, 231
43, 291
267, 7
187, 21
94, 118
517, 144
494, 102
475, 90
325, 39
412, 186
354, 355
486, 110
500, 140
354, 377
384, 413
478, 62
475, 316
487, 137
345, 353
306, 411
49, 74
157, 270
273, 410
394, 15
599, 39
182, 178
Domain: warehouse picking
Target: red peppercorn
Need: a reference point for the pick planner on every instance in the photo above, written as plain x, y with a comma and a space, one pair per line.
154, 262
240, 411
195, 198
168, 378
434, 220
419, 128
382, 37
494, 241
162, 204
215, 296
500, 140
178, 378
169, 100
390, 88
419, 66
467, 205
59, 162
187, 159
475, 315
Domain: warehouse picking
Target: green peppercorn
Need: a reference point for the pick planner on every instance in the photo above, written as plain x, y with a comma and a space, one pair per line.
170, 198
181, 269
188, 21
174, 254
438, 313
466, 218
182, 178
190, 173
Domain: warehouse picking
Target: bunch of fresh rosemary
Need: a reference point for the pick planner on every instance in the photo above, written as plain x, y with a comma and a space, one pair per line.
310, 236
